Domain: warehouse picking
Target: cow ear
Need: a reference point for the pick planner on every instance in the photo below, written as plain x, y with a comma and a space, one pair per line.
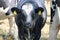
15, 10
39, 10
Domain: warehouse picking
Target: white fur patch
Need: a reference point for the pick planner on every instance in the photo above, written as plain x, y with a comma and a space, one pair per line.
3, 11
28, 8
10, 0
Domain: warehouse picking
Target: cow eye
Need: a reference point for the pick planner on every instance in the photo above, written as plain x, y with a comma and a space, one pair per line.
39, 10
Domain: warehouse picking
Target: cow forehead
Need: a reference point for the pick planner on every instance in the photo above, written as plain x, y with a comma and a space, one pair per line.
28, 7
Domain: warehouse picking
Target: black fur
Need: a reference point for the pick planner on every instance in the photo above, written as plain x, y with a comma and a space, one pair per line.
53, 11
58, 3
20, 19
52, 14
36, 31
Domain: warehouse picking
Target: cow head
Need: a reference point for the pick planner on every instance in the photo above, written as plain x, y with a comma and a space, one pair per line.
4, 8
29, 15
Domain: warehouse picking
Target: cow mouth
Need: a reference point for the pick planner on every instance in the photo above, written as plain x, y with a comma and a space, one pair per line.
29, 26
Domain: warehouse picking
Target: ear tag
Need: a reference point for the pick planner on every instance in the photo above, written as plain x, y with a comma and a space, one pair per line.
15, 13
39, 13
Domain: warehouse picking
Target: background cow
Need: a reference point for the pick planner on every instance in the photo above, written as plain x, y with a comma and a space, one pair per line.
5, 12
31, 14
55, 19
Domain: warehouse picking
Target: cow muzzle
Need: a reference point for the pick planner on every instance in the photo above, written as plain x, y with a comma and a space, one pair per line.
29, 25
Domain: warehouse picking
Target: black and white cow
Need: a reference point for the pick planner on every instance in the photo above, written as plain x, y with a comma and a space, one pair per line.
5, 12
55, 19
30, 19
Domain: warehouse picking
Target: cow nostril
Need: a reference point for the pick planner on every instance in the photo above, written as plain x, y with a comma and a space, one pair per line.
6, 13
28, 24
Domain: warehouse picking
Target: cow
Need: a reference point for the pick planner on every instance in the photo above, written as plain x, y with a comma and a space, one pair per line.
5, 12
55, 19
30, 17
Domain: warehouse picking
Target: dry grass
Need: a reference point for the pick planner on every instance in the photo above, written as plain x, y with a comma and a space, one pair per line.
7, 37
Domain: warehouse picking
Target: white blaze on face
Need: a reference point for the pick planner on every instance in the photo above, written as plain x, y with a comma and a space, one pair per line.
28, 8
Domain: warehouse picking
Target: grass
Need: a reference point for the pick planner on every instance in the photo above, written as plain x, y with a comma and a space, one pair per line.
10, 37
47, 39
7, 37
